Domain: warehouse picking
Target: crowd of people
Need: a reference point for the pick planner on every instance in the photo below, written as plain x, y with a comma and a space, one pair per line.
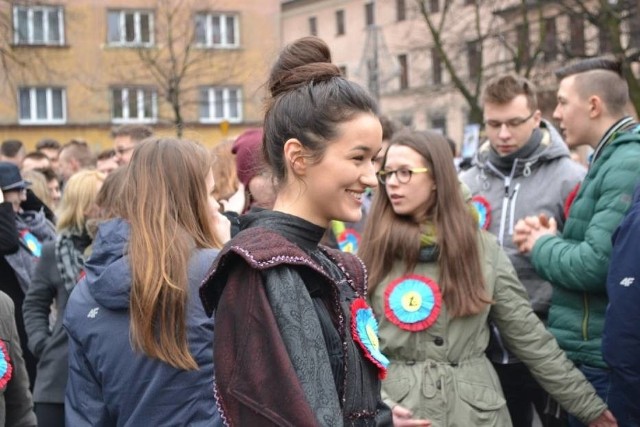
330, 267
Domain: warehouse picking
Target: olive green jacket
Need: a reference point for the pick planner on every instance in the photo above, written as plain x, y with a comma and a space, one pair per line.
442, 374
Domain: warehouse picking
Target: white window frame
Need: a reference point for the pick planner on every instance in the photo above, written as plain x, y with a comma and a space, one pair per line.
139, 93
224, 43
33, 107
122, 14
45, 25
211, 101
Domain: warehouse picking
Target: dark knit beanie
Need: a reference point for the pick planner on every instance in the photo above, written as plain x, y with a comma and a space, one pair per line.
248, 151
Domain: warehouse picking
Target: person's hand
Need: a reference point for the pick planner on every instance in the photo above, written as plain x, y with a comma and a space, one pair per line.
606, 419
222, 227
236, 202
402, 417
527, 231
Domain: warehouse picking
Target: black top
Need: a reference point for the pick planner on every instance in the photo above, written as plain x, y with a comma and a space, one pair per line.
307, 236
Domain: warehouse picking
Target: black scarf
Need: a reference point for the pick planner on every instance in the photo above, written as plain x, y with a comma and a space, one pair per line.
505, 163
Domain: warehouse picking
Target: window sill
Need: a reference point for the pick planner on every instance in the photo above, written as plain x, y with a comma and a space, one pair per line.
39, 45
42, 123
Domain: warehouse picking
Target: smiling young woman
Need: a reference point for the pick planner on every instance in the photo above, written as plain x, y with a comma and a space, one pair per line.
295, 340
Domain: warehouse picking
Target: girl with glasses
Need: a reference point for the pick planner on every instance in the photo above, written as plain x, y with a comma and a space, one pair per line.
435, 280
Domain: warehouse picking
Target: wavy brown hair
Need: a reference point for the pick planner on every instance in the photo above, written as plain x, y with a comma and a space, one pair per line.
391, 238
166, 206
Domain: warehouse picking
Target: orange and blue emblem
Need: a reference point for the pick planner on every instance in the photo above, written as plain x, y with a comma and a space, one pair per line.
412, 302
484, 211
364, 329
32, 243
6, 370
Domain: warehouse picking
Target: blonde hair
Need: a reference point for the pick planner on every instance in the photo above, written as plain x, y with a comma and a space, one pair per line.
169, 218
224, 170
78, 199
39, 186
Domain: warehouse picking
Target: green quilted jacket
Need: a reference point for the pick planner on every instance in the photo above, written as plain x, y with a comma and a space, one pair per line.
576, 262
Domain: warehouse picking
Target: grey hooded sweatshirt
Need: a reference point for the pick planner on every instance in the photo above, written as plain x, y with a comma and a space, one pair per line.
539, 183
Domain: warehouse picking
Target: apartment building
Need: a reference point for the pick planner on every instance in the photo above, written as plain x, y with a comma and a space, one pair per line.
77, 68
386, 45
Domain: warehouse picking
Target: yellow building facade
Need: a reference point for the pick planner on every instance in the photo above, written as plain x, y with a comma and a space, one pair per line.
78, 68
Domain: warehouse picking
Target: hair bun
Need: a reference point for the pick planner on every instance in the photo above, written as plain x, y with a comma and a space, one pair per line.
303, 61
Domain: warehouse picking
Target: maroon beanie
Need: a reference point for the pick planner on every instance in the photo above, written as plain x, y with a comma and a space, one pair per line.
248, 151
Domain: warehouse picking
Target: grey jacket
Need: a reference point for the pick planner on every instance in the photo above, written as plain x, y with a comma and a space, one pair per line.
16, 406
538, 184
49, 346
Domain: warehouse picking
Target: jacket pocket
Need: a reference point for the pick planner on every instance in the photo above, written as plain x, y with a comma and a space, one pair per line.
485, 402
397, 389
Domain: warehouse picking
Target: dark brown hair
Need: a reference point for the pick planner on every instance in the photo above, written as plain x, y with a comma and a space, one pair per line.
309, 99
504, 88
602, 77
393, 238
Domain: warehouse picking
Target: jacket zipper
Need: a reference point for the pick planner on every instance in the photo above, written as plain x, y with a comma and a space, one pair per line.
513, 208
585, 318
505, 207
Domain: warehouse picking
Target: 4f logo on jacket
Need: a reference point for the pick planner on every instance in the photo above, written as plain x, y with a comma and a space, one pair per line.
627, 281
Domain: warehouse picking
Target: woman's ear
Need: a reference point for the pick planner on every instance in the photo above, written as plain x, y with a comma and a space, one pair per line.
294, 155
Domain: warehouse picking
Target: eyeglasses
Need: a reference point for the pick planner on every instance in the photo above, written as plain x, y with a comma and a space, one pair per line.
120, 151
403, 175
510, 124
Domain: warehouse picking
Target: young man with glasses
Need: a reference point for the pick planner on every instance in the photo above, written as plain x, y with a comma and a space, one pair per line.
523, 169
593, 109
126, 138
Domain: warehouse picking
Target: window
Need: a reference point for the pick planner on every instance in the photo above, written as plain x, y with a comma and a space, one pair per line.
522, 34
313, 26
130, 27
132, 104
220, 103
550, 40
439, 124
436, 66
633, 22
404, 71
434, 6
369, 14
339, 22
473, 58
42, 105
38, 25
604, 40
401, 10
217, 30
576, 44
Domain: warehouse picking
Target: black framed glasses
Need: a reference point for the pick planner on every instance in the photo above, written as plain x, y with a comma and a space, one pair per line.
403, 175
510, 124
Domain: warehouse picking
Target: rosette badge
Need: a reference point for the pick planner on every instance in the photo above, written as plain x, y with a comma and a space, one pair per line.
412, 302
483, 208
364, 329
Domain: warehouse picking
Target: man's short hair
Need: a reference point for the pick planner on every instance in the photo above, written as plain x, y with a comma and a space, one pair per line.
36, 155
504, 88
10, 147
602, 77
80, 151
136, 132
47, 143
106, 154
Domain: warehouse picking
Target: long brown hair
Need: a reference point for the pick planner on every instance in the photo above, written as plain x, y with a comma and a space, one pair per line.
166, 206
224, 170
391, 238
